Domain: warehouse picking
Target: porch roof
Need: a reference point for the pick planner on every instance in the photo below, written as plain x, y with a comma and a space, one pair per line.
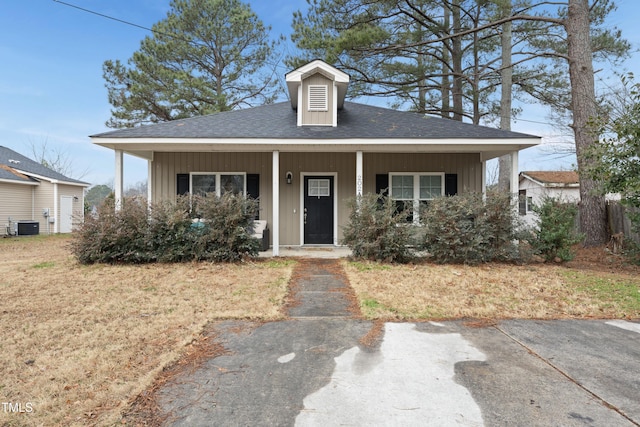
273, 127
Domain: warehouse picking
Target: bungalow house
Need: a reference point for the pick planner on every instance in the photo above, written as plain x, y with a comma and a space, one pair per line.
533, 186
305, 158
37, 199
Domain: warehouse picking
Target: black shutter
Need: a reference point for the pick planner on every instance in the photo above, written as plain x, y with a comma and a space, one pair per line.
253, 185
182, 184
382, 184
450, 184
253, 189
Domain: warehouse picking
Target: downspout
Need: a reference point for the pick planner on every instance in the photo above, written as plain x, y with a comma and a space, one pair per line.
55, 207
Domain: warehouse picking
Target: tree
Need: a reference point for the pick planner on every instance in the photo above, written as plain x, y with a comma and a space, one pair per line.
615, 161
360, 35
56, 159
206, 56
97, 194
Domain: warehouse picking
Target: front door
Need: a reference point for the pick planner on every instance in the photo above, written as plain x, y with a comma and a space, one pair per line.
318, 209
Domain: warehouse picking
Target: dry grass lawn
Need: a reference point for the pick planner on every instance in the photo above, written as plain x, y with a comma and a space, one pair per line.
79, 342
495, 291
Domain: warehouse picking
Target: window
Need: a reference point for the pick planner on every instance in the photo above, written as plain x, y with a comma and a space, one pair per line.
203, 183
319, 188
525, 204
413, 190
318, 98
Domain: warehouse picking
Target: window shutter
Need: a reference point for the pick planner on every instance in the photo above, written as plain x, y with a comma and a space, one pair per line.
182, 184
253, 189
318, 98
382, 184
450, 184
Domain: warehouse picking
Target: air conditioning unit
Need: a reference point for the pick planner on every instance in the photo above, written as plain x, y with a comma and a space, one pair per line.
28, 228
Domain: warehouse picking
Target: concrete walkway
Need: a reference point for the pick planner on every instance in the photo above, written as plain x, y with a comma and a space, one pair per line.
327, 367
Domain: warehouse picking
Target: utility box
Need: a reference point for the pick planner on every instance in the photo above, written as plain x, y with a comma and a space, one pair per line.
28, 228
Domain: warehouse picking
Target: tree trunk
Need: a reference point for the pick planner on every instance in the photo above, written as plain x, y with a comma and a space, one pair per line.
445, 87
593, 216
506, 83
456, 58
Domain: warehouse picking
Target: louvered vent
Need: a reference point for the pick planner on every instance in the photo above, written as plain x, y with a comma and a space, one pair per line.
318, 98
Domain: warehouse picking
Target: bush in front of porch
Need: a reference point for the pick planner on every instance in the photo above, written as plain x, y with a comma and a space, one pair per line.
194, 228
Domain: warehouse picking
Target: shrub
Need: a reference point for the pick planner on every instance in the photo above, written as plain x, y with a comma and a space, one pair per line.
377, 230
467, 229
113, 237
166, 232
555, 232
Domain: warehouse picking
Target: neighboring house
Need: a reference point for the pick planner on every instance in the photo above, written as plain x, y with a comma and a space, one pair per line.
535, 185
37, 199
305, 158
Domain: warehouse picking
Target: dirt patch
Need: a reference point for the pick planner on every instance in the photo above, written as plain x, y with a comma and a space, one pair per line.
373, 338
307, 268
601, 259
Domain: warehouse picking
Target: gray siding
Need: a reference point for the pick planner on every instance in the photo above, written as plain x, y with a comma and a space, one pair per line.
318, 118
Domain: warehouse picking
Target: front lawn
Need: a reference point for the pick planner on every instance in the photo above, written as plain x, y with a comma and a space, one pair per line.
79, 342
495, 291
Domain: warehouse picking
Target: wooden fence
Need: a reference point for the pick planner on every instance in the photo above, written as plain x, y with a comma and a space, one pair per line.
619, 221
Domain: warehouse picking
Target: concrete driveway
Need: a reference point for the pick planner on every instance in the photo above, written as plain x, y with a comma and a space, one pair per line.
333, 369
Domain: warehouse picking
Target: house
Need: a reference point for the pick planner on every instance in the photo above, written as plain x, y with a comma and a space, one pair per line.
305, 158
37, 199
533, 186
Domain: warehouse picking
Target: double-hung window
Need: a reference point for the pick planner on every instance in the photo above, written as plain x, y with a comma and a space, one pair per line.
218, 183
414, 190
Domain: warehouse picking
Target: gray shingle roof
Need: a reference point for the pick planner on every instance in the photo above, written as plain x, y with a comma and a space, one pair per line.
17, 161
278, 121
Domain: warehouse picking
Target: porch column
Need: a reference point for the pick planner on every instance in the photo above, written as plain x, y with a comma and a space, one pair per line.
149, 181
359, 182
483, 164
118, 182
275, 226
514, 179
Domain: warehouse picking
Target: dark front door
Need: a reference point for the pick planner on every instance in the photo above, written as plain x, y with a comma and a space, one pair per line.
318, 210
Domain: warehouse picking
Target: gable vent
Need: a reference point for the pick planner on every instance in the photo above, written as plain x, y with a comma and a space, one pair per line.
318, 98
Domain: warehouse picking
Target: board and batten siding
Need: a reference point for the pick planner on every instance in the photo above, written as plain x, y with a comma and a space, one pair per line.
166, 167
316, 118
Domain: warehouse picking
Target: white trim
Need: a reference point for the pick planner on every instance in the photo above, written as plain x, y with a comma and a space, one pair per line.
514, 186
11, 181
199, 143
118, 182
51, 180
335, 203
56, 216
149, 182
218, 180
334, 111
275, 196
359, 174
416, 189
484, 179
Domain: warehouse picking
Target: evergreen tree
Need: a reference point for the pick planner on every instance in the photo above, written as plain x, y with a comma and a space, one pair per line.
206, 56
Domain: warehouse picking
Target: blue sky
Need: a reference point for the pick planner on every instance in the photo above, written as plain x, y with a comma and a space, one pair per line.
52, 90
